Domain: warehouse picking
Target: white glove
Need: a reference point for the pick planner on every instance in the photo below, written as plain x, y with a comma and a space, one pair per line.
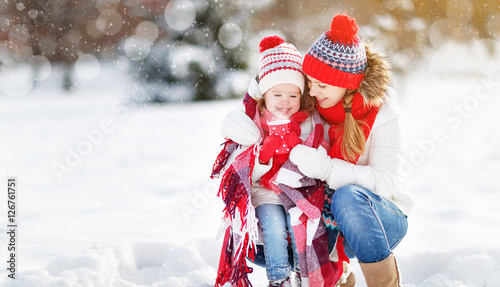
240, 128
253, 90
314, 163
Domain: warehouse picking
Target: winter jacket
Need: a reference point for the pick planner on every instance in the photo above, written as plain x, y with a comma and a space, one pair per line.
380, 168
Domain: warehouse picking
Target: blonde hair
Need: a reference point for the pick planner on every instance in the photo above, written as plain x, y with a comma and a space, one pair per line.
353, 139
373, 88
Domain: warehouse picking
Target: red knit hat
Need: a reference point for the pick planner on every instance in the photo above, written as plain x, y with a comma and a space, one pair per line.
281, 63
338, 57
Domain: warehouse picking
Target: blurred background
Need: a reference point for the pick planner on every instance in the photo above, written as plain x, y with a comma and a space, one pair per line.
110, 115
189, 50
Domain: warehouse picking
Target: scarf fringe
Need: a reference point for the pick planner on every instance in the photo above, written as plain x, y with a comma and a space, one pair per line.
233, 189
233, 193
221, 160
240, 237
240, 270
224, 271
232, 264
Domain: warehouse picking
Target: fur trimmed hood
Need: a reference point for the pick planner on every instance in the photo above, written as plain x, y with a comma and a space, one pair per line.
378, 78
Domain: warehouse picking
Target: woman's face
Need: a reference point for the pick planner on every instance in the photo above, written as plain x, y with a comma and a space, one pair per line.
283, 100
326, 95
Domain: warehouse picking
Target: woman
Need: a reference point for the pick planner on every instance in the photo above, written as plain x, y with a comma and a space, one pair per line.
363, 167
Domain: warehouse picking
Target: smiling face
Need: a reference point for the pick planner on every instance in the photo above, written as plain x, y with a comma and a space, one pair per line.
326, 95
283, 100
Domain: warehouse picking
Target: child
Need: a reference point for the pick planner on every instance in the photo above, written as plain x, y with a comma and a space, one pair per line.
249, 186
282, 109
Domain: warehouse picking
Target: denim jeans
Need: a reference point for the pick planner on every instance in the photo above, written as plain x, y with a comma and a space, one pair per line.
276, 227
372, 226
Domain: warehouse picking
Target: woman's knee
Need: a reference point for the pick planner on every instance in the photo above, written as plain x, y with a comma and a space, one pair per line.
350, 204
349, 195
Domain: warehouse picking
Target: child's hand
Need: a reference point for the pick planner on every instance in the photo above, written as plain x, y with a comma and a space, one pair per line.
271, 144
292, 139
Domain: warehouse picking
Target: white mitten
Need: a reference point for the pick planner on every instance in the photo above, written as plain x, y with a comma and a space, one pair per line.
314, 163
253, 89
240, 128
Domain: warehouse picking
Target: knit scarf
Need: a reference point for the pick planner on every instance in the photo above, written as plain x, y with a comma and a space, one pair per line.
335, 116
302, 198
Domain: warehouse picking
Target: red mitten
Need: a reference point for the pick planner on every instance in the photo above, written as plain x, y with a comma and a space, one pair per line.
271, 144
292, 139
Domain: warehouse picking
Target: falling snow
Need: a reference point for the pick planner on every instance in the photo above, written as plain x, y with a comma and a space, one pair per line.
114, 187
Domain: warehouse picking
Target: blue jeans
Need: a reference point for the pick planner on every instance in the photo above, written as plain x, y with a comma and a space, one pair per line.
275, 224
372, 226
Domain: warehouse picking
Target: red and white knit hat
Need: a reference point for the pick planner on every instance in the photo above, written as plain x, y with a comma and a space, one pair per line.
280, 63
337, 57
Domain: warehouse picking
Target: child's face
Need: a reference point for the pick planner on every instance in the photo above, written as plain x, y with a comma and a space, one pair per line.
283, 100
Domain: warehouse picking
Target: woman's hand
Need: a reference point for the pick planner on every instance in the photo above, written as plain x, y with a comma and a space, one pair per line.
314, 163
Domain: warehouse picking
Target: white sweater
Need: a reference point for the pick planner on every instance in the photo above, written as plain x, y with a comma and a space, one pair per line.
380, 168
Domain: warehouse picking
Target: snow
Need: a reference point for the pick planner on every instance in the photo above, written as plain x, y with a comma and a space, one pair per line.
117, 195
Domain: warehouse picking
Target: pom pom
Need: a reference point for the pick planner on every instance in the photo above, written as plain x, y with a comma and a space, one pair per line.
343, 29
270, 42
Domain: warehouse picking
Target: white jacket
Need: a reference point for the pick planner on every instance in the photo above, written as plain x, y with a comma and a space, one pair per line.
380, 169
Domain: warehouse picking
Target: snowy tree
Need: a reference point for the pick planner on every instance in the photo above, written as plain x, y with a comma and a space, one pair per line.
202, 51
61, 31
182, 50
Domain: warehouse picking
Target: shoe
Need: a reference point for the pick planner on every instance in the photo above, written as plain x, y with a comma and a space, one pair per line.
280, 283
296, 281
384, 273
347, 279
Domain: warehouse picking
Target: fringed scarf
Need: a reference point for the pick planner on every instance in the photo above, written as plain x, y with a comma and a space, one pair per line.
335, 116
302, 197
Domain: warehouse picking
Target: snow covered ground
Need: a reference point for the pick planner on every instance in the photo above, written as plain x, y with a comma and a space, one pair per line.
115, 195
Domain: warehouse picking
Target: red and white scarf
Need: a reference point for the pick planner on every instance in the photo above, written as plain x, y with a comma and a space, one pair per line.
303, 199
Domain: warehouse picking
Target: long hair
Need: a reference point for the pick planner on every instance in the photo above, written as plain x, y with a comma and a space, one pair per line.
353, 139
374, 89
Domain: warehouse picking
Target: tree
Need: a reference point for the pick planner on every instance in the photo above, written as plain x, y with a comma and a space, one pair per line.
203, 45
62, 30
